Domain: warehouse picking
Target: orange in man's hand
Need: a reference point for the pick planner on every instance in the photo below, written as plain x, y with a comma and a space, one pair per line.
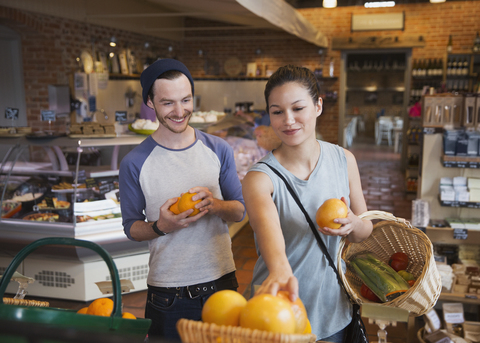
174, 207
331, 209
185, 203
101, 307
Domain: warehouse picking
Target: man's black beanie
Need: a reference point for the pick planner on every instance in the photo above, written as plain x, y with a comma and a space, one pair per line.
154, 70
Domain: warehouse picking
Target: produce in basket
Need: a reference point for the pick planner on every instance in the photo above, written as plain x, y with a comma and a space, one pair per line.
385, 282
101, 307
368, 294
223, 308
299, 311
268, 313
398, 261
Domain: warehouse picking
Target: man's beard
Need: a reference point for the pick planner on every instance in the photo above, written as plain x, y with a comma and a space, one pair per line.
165, 123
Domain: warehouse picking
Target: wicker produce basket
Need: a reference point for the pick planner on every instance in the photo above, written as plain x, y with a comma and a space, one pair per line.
192, 331
392, 235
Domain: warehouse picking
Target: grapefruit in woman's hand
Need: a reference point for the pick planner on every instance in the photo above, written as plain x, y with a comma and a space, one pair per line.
185, 203
331, 209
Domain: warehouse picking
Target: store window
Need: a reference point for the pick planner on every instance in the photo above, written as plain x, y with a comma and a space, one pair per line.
12, 91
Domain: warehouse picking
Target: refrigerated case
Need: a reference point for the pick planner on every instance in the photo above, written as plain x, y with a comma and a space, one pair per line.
68, 272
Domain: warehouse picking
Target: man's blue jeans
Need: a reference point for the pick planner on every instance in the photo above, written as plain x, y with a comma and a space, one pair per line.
166, 308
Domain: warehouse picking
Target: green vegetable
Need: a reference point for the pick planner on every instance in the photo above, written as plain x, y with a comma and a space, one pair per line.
406, 275
387, 269
385, 282
370, 284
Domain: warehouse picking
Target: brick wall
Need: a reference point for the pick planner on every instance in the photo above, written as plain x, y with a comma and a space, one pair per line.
50, 45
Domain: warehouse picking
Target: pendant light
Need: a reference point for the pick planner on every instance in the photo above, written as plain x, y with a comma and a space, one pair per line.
329, 3
437, 1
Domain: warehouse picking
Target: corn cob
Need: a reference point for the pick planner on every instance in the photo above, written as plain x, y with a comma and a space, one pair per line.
379, 278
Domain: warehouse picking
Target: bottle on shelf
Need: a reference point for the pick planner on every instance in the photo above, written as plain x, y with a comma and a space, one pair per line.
449, 66
440, 66
414, 69
428, 68
454, 66
450, 44
476, 43
465, 69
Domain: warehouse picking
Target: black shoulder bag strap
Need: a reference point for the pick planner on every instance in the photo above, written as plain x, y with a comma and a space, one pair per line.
312, 226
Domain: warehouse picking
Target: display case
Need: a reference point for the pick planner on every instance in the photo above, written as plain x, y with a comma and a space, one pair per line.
61, 199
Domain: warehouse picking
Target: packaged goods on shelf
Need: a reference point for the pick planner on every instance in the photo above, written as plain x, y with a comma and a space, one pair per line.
453, 315
471, 331
446, 275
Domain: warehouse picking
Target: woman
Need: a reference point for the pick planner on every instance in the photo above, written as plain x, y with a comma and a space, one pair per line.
289, 255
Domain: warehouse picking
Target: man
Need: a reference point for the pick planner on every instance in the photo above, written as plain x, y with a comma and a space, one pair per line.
190, 257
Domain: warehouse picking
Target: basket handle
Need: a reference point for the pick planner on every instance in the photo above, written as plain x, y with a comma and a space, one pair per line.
369, 215
117, 304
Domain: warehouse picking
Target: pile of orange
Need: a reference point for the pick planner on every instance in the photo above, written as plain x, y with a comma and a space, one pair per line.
103, 307
185, 203
262, 312
331, 209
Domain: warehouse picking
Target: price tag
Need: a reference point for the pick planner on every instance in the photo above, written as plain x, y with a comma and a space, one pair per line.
11, 113
92, 103
47, 115
460, 234
120, 115
90, 183
105, 187
82, 176
49, 201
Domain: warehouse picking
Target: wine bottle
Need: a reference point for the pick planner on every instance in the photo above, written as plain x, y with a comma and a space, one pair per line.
414, 69
450, 44
440, 64
449, 66
454, 66
476, 44
428, 68
466, 69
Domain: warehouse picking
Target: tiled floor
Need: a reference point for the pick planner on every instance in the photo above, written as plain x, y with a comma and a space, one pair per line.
384, 188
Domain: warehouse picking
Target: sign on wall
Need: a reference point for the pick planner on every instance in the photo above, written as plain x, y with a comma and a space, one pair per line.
378, 22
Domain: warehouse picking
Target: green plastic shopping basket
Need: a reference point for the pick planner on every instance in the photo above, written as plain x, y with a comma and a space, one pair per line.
62, 318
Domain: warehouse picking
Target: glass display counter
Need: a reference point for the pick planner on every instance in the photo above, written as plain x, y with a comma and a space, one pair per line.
57, 199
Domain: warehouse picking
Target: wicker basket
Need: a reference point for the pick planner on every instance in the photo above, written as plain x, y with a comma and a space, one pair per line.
198, 332
392, 235
25, 302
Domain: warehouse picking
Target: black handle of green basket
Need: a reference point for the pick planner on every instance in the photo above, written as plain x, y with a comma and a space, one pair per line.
314, 230
117, 304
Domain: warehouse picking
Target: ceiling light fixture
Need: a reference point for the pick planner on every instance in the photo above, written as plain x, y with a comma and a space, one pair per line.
437, 1
113, 42
378, 4
329, 3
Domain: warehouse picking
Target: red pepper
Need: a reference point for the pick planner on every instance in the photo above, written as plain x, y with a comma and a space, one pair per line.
398, 261
368, 294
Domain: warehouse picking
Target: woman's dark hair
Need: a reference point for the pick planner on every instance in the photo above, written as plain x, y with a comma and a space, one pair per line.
291, 73
169, 75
